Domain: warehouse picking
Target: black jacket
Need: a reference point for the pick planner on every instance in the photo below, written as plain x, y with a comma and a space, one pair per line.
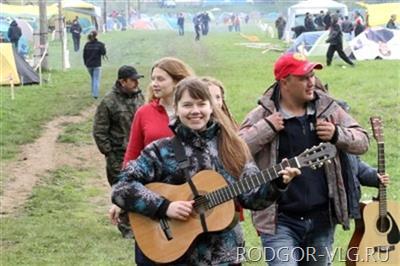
92, 53
14, 32
335, 35
76, 30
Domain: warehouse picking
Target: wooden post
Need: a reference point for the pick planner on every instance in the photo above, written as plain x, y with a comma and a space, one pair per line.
10, 78
61, 26
105, 15
43, 29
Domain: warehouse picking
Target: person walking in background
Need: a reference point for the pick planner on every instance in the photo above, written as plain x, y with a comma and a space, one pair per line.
236, 23
327, 20
181, 24
93, 51
14, 33
205, 21
291, 117
113, 119
391, 23
319, 20
347, 28
309, 23
359, 25
76, 30
197, 26
280, 24
205, 139
335, 40
112, 124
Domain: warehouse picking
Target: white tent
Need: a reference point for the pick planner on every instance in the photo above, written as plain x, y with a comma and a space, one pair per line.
296, 13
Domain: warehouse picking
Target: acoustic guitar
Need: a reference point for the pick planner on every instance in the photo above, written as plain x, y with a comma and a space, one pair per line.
376, 237
166, 240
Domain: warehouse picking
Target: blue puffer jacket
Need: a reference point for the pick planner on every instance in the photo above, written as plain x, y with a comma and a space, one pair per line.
356, 173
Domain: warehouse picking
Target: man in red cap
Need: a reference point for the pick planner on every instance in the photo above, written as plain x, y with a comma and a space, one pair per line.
291, 117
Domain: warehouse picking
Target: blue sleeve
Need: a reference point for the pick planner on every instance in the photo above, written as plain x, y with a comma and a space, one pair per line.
130, 193
367, 175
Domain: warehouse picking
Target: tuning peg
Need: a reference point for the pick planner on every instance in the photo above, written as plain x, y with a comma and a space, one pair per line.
328, 161
313, 167
321, 164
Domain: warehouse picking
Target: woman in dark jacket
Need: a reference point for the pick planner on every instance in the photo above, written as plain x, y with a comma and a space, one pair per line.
92, 53
208, 141
14, 33
336, 43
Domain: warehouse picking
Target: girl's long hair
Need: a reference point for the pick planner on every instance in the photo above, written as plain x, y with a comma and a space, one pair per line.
212, 81
232, 150
175, 68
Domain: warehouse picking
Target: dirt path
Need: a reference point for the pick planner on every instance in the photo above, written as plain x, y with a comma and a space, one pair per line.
44, 155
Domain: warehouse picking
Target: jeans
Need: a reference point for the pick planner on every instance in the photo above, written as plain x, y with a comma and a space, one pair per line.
299, 241
76, 41
181, 30
95, 74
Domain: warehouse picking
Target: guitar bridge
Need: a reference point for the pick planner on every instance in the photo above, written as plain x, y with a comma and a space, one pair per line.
166, 229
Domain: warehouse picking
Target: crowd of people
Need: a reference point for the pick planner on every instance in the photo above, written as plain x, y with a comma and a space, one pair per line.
183, 113
323, 21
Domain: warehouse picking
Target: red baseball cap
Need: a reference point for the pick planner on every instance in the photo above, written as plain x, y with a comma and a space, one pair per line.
293, 64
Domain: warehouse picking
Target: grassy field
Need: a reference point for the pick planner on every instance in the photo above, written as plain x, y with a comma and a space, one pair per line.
62, 223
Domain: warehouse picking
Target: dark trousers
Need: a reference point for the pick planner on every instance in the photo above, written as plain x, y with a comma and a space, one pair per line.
197, 30
339, 49
181, 30
113, 166
15, 44
76, 40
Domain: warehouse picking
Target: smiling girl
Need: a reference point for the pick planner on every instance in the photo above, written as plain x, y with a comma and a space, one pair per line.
209, 142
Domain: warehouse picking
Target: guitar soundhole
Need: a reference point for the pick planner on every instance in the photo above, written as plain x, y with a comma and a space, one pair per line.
201, 204
383, 224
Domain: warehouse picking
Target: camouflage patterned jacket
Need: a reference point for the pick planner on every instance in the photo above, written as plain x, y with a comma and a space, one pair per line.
113, 118
263, 143
157, 163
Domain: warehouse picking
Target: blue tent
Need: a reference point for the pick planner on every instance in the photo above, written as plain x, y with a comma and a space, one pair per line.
307, 39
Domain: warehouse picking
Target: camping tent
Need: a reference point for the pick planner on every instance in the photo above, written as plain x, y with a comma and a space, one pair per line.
377, 43
314, 44
379, 14
296, 13
14, 67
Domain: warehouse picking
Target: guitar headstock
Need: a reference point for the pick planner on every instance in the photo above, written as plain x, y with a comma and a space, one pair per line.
377, 128
316, 156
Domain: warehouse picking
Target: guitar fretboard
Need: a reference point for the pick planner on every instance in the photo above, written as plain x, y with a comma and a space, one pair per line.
382, 188
227, 193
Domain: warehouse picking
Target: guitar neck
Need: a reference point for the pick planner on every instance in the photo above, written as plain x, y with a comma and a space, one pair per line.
227, 193
382, 188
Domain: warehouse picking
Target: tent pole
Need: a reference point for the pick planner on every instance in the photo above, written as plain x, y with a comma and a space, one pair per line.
40, 75
12, 88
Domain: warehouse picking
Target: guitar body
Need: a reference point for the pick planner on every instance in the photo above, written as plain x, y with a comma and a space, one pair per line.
370, 246
166, 240
150, 236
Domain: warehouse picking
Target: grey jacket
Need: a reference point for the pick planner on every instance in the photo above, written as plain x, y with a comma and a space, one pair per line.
263, 143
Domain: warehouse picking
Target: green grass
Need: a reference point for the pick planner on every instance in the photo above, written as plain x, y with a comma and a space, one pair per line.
78, 134
60, 224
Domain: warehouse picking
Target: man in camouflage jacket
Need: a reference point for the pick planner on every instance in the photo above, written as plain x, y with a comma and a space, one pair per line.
114, 115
